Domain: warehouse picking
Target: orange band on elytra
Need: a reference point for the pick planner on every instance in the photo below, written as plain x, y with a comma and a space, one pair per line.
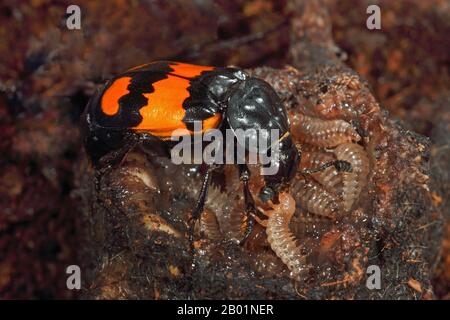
110, 99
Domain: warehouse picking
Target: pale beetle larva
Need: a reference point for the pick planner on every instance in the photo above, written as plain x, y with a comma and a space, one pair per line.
323, 133
315, 199
281, 239
355, 180
223, 219
210, 226
324, 193
329, 178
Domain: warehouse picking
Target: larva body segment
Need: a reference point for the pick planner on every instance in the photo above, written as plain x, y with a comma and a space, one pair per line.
311, 159
355, 180
210, 226
305, 147
329, 178
323, 133
281, 239
305, 225
228, 211
315, 199
234, 223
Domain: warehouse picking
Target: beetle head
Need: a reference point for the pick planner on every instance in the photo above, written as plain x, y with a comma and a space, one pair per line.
287, 163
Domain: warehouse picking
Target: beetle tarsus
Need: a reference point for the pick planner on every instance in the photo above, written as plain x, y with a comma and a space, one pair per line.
340, 165
199, 207
250, 209
248, 229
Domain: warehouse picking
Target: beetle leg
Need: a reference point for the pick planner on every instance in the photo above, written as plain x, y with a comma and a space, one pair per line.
340, 165
250, 209
263, 222
200, 204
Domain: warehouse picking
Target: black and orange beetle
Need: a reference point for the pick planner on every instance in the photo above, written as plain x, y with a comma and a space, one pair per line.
151, 101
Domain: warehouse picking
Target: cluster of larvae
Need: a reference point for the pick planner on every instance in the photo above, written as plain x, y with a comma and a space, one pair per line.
223, 218
325, 193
